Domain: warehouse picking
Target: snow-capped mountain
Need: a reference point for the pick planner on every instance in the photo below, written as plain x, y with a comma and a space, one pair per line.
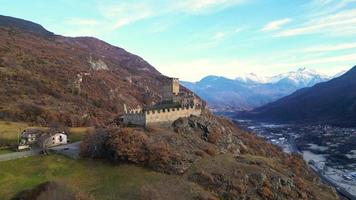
251, 90
301, 77
253, 78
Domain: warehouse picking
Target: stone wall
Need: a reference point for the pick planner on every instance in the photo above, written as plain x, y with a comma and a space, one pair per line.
159, 116
135, 117
170, 114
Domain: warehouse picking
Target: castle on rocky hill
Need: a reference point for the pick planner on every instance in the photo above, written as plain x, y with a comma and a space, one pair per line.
174, 104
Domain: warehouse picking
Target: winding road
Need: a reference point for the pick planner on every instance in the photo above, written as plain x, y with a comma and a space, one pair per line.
71, 150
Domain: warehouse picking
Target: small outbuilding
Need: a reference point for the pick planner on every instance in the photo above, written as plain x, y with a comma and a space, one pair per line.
53, 139
28, 138
41, 138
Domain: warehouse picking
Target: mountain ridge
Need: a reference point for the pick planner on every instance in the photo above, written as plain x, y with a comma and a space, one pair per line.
332, 102
79, 81
246, 93
24, 25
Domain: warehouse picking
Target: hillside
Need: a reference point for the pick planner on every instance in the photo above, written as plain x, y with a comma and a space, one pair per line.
210, 152
251, 91
332, 102
47, 78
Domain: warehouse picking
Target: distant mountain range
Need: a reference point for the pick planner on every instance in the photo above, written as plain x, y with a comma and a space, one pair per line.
251, 91
332, 102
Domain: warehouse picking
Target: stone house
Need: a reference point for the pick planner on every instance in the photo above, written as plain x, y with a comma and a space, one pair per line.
52, 139
28, 138
41, 138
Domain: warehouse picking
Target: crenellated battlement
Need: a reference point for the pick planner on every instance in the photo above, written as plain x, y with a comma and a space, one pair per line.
163, 113
160, 115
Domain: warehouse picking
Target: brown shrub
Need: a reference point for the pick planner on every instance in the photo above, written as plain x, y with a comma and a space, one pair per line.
159, 155
93, 144
214, 137
300, 183
128, 145
200, 153
210, 150
266, 192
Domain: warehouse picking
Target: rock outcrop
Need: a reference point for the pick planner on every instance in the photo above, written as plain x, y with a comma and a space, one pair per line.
211, 152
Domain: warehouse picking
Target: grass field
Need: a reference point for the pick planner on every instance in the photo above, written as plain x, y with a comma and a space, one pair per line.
4, 151
77, 133
93, 178
9, 132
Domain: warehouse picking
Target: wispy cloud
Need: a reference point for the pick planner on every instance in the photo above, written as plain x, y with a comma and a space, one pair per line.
234, 67
122, 13
219, 35
325, 7
276, 25
216, 39
341, 23
329, 48
198, 6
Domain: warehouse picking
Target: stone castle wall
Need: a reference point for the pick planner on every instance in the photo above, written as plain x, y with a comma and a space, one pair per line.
135, 117
159, 116
170, 114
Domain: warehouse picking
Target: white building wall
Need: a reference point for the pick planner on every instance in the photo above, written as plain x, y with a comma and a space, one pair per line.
56, 140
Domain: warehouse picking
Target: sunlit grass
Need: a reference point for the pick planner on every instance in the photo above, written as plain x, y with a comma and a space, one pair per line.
9, 132
94, 178
77, 133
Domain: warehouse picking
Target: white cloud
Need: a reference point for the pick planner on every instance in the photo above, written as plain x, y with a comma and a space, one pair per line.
328, 60
197, 6
219, 36
122, 13
327, 7
199, 68
341, 23
276, 25
329, 48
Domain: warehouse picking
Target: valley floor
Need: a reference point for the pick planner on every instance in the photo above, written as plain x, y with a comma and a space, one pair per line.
323, 147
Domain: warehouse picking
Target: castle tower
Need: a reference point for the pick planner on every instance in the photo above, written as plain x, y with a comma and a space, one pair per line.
170, 89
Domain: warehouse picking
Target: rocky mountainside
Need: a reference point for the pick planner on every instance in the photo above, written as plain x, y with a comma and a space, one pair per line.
332, 102
211, 153
251, 91
48, 78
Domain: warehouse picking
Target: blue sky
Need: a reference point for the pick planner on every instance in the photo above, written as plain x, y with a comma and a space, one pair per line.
190, 39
